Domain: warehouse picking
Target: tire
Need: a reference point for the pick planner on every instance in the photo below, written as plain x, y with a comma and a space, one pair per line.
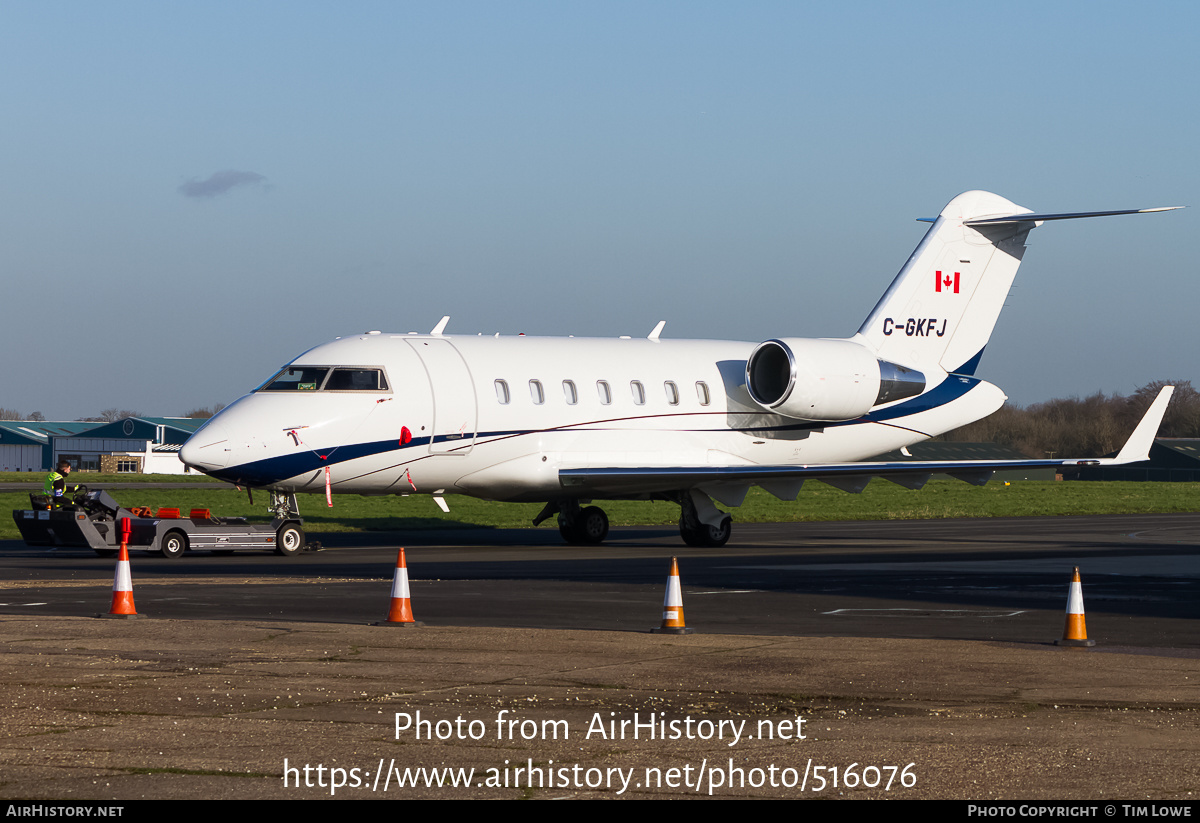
568, 532
174, 544
592, 526
289, 540
691, 537
717, 536
708, 537
589, 527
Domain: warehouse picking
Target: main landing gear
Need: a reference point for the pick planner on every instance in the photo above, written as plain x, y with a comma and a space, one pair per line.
701, 524
578, 526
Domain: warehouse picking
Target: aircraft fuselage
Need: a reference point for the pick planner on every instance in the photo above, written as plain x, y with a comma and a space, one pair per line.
497, 417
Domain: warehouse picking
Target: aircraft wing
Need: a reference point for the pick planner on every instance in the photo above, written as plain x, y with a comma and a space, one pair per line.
784, 481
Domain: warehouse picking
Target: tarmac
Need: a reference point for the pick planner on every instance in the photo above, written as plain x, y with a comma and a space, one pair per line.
257, 677
151, 709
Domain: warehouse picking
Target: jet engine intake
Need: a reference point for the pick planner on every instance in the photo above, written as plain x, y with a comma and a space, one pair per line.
834, 380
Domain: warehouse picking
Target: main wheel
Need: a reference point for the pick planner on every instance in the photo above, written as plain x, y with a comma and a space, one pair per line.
174, 544
708, 537
592, 525
588, 528
289, 540
570, 531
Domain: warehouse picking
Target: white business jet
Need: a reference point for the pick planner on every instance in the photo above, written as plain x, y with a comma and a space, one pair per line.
566, 421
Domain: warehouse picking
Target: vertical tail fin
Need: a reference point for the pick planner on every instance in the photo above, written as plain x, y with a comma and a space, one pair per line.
940, 310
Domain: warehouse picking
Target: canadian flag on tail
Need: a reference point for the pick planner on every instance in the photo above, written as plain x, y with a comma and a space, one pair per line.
945, 283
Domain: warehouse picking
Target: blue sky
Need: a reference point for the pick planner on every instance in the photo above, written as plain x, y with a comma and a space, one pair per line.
196, 193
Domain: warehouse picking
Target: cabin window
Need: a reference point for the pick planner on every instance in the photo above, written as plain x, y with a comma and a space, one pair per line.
569, 392
702, 392
502, 392
535, 391
672, 392
296, 378
639, 392
356, 380
604, 391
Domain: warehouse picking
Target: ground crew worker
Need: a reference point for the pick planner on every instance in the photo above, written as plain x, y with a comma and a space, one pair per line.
56, 484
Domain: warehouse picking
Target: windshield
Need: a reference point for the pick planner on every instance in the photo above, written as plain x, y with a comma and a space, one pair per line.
327, 378
296, 378
356, 380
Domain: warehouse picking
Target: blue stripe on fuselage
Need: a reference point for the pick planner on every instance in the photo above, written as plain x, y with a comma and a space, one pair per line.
275, 469
949, 390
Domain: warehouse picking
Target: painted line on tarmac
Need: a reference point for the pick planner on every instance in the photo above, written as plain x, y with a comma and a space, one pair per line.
929, 612
728, 591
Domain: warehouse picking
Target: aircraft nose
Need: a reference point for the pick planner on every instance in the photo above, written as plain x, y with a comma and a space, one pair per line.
208, 448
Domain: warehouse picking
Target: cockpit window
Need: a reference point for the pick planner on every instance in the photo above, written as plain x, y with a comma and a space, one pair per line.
356, 380
296, 378
326, 378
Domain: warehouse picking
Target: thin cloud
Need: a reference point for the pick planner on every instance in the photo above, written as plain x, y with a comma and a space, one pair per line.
220, 183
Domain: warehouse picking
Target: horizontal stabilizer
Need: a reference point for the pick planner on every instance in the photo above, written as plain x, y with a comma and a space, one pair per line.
1041, 218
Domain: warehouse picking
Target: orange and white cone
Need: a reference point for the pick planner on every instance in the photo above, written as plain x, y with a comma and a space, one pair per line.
1075, 632
672, 620
400, 614
122, 594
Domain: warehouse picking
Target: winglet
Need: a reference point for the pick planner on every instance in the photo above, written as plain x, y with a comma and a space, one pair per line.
440, 327
657, 330
1137, 447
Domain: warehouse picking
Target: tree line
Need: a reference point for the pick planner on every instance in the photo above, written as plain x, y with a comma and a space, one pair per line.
106, 416
1088, 427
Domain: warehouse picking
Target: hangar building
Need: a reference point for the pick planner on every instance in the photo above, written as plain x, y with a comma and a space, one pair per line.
135, 445
25, 444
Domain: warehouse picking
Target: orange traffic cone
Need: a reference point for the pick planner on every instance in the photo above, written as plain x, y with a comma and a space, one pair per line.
1075, 632
400, 613
122, 595
672, 620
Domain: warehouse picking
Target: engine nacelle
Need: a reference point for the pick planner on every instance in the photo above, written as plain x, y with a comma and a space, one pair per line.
825, 379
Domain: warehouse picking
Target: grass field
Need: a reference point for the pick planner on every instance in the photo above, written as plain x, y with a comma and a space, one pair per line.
880, 501
95, 477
